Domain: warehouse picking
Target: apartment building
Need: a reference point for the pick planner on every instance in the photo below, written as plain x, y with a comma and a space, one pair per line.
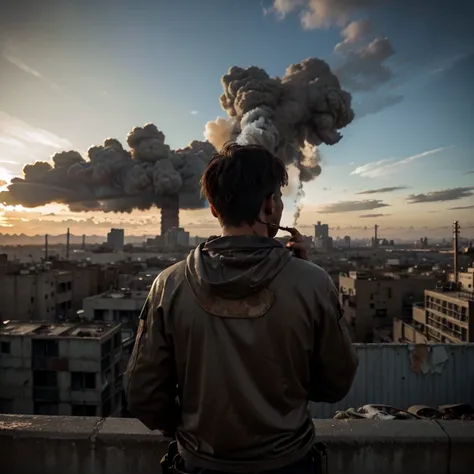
122, 307
445, 317
465, 279
60, 369
34, 292
371, 300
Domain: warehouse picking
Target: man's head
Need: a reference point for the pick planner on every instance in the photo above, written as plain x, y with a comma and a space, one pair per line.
243, 184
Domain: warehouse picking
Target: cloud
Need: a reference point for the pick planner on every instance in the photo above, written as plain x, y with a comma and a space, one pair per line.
194, 112
19, 63
389, 166
364, 69
19, 134
353, 34
452, 194
369, 216
351, 206
382, 190
460, 208
469, 172
321, 13
376, 104
10, 53
364, 56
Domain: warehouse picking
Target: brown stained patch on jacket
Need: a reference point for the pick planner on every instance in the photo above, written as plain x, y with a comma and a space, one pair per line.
253, 306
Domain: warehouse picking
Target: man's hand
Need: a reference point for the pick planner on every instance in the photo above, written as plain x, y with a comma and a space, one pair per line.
298, 245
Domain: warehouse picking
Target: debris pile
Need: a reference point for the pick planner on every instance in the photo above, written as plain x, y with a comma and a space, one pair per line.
458, 411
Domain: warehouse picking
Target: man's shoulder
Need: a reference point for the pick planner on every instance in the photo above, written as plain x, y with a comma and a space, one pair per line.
300, 269
174, 273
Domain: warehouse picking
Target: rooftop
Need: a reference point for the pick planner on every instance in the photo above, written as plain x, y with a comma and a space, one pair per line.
72, 330
459, 295
121, 294
81, 445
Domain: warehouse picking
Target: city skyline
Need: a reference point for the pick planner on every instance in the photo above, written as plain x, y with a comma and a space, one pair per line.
71, 79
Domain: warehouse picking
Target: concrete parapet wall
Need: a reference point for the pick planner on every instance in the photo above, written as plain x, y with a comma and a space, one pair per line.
77, 445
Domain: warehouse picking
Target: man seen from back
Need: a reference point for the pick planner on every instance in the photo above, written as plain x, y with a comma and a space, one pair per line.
235, 341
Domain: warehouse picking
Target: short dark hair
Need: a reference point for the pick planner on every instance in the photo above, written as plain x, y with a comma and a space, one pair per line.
238, 179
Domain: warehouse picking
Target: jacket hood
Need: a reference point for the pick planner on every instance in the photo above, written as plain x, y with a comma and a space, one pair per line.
235, 266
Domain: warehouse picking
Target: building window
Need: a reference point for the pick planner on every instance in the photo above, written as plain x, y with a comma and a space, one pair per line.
5, 348
372, 306
32, 299
83, 410
45, 378
45, 348
82, 380
46, 408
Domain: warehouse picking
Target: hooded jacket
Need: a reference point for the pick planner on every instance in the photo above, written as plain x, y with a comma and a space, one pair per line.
243, 335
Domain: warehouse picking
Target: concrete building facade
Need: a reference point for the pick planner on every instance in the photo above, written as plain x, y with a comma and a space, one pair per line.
371, 301
465, 279
60, 369
122, 307
445, 317
175, 237
35, 293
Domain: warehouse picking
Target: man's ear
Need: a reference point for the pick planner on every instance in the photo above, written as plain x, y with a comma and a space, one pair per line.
269, 205
213, 211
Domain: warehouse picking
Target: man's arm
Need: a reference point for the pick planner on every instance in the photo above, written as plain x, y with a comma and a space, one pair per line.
151, 374
334, 363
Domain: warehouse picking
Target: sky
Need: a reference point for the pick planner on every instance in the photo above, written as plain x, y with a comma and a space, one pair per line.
74, 72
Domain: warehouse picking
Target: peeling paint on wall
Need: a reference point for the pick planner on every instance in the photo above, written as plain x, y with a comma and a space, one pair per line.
427, 359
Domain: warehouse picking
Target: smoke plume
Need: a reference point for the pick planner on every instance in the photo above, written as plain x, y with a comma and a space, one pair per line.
290, 116
113, 178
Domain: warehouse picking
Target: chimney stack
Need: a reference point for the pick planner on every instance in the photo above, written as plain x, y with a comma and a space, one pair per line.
46, 248
376, 236
169, 213
67, 243
83, 241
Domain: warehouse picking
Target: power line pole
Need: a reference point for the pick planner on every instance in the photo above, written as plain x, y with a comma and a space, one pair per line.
456, 230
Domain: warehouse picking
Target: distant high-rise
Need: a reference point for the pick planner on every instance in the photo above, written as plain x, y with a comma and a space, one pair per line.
321, 231
176, 237
116, 239
321, 237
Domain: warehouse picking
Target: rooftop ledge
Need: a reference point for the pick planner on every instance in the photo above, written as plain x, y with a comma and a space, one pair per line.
79, 445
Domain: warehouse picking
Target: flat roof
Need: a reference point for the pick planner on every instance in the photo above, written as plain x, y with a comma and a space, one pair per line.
121, 295
74, 330
458, 295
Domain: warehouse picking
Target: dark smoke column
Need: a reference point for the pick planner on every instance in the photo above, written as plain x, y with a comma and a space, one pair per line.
169, 213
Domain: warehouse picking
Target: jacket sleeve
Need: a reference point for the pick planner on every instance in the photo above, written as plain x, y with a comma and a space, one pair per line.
334, 360
151, 390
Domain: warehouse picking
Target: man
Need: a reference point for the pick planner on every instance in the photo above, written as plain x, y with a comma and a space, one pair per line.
243, 334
